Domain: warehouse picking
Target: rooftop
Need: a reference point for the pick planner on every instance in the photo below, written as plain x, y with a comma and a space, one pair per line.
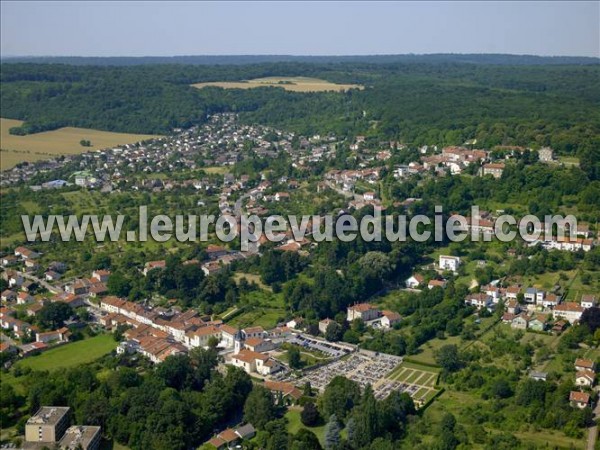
78, 435
48, 415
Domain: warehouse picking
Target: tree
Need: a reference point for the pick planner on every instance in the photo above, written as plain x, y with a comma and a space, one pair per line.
310, 415
259, 408
304, 440
53, 315
332, 433
118, 285
448, 358
294, 359
333, 332
339, 397
591, 318
366, 419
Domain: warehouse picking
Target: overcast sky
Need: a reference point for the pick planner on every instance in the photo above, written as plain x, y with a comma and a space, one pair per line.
301, 28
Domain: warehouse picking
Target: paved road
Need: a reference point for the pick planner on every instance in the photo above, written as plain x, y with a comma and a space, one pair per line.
593, 431
41, 282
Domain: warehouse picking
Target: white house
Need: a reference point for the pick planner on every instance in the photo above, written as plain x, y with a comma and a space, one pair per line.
588, 301
449, 262
414, 281
585, 378
570, 311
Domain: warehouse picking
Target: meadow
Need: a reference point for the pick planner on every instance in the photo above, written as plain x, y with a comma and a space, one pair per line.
71, 355
48, 144
294, 84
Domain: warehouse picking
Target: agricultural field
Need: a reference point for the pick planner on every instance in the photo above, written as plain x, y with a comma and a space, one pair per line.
294, 84
70, 355
48, 144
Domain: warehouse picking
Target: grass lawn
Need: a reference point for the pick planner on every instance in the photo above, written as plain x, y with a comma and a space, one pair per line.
427, 354
70, 355
294, 425
264, 317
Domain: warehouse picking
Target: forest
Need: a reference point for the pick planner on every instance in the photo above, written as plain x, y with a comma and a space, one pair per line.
417, 102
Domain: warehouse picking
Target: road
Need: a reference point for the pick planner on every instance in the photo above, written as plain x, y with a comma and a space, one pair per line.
593, 431
41, 282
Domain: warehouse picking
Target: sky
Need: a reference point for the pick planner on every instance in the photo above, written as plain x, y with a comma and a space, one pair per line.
47, 28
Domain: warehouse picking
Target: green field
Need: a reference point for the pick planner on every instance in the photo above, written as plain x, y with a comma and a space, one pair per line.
70, 355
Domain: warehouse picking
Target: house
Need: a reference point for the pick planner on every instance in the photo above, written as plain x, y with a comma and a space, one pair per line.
369, 196
7, 347
101, 275
323, 324
363, 311
520, 322
493, 169
559, 326
52, 276
202, 336
287, 391
8, 295
585, 378
508, 317
579, 399
60, 335
588, 301
228, 335
259, 345
513, 307
414, 281
295, 323
215, 251
436, 283
14, 279
389, 318
26, 253
23, 298
512, 292
551, 300
449, 262
280, 196
253, 332
151, 265
479, 301
538, 323
254, 362
570, 311
534, 296
9, 260
584, 364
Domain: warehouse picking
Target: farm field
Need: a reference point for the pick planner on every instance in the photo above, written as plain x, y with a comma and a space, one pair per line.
70, 355
48, 144
294, 84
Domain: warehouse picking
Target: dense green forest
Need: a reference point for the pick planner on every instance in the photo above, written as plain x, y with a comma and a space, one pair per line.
416, 102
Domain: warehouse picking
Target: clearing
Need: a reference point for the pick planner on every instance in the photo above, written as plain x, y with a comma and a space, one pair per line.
48, 144
294, 84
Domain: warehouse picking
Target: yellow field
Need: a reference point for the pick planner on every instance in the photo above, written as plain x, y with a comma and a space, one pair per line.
45, 145
295, 84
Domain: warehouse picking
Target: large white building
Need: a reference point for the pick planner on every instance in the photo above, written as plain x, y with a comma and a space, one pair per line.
449, 262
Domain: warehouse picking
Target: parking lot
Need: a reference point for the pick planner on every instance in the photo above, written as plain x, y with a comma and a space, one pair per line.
327, 348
